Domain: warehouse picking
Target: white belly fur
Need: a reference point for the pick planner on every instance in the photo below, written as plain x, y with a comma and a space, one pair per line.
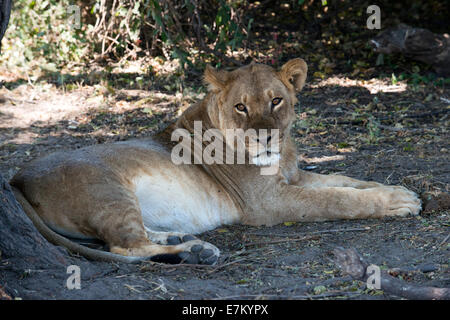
177, 203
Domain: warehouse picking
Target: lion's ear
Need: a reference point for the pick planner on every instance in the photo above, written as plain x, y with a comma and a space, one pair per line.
215, 79
293, 73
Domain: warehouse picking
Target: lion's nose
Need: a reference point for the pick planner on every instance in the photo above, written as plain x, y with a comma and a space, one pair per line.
266, 142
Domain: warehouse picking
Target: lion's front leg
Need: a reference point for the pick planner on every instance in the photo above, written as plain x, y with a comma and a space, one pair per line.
333, 203
310, 179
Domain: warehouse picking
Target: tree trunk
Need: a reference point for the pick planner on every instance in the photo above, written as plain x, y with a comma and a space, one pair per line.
33, 268
418, 44
20, 242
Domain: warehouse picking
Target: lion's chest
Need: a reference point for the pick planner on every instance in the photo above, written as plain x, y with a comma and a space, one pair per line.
181, 202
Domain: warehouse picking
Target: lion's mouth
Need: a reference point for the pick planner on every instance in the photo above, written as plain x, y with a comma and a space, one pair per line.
266, 158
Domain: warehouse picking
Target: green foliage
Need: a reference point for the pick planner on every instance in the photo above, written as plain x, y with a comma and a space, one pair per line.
416, 78
226, 32
41, 31
214, 27
373, 130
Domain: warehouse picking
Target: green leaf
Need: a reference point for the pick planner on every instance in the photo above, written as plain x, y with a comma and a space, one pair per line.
393, 79
319, 289
380, 60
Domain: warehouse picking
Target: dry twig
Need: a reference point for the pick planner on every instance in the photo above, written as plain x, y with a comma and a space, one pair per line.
280, 235
258, 243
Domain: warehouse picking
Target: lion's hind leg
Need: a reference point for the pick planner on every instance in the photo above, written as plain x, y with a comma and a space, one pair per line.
169, 238
191, 252
113, 215
130, 238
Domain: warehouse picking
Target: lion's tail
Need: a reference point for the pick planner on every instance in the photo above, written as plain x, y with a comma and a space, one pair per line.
59, 240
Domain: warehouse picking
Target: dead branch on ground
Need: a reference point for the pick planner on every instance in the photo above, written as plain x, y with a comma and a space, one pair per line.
354, 265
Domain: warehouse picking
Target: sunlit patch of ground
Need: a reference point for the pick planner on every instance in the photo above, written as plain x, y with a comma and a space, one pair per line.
373, 85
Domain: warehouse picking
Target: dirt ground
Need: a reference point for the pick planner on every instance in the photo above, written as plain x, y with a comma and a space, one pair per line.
378, 130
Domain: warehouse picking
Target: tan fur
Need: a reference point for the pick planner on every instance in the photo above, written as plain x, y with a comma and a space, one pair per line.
100, 191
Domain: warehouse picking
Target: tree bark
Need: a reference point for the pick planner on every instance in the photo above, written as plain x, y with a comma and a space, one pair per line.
20, 242
417, 44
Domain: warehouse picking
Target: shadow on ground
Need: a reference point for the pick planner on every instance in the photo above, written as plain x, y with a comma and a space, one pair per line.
387, 137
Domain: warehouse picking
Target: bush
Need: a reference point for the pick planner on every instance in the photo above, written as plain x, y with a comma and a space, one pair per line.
43, 32
174, 29
38, 33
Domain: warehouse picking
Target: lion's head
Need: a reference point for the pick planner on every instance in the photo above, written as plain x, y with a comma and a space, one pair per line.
256, 97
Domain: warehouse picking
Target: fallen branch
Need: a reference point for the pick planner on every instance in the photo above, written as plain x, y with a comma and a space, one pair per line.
444, 241
150, 266
445, 100
280, 235
261, 243
353, 264
225, 265
263, 296
397, 129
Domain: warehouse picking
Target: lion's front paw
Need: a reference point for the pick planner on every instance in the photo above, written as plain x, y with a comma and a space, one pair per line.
399, 201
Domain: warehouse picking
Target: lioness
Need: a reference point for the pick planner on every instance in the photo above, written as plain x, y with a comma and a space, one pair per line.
143, 206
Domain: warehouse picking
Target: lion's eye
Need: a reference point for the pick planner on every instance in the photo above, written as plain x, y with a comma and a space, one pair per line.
276, 101
240, 107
